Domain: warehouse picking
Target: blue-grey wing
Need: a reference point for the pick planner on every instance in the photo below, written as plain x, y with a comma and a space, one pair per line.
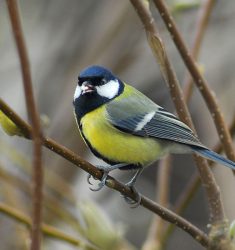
167, 127
144, 118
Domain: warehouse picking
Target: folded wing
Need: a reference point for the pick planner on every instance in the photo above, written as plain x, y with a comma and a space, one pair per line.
141, 117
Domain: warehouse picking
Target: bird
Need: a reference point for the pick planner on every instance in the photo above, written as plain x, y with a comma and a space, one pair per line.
126, 129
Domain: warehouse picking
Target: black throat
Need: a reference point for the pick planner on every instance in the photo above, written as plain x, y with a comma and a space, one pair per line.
90, 101
86, 103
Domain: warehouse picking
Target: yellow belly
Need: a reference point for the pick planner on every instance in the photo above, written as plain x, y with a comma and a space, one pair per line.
116, 145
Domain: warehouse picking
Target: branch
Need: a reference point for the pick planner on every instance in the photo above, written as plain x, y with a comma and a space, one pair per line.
37, 179
202, 23
46, 229
157, 236
157, 227
163, 192
207, 178
192, 188
201, 83
166, 214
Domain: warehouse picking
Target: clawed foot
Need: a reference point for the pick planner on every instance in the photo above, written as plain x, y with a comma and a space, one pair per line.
100, 185
133, 203
106, 170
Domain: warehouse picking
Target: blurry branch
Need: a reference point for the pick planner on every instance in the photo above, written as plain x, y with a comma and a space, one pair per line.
217, 215
201, 83
92, 225
51, 203
202, 23
166, 214
192, 187
37, 179
157, 228
46, 229
52, 181
163, 192
11, 197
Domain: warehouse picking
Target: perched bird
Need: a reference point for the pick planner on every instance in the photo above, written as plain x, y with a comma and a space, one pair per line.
126, 129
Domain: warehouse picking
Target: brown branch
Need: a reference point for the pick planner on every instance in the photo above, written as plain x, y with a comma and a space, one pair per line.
163, 192
198, 79
37, 179
183, 201
51, 203
201, 25
157, 235
157, 228
192, 188
212, 190
166, 214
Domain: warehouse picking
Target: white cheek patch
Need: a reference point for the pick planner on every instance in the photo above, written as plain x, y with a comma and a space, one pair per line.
147, 118
108, 90
77, 93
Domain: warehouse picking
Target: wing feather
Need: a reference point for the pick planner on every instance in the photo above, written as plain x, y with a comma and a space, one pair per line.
128, 113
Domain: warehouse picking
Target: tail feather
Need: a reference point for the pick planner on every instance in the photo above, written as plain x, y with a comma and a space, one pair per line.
211, 155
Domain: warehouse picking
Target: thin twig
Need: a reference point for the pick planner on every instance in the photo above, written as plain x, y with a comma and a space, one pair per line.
212, 190
163, 192
37, 179
201, 25
48, 230
157, 227
166, 214
11, 196
199, 80
192, 187
183, 201
156, 232
51, 203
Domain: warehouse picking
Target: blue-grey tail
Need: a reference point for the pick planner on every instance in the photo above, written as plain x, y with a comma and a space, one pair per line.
211, 155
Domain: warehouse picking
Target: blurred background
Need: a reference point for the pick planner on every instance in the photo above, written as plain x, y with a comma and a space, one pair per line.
62, 38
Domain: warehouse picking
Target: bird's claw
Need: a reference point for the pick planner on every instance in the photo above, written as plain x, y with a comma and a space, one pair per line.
89, 176
100, 185
133, 203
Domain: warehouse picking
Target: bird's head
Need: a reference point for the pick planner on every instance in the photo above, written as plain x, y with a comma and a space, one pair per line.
96, 86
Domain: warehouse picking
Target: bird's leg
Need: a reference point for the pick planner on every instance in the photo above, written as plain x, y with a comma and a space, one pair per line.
131, 184
106, 170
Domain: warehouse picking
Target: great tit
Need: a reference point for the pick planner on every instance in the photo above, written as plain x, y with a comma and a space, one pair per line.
126, 129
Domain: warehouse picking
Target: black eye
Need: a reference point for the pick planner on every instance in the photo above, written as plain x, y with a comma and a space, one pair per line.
103, 81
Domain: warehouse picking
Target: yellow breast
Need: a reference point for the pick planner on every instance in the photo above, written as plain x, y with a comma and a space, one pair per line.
116, 145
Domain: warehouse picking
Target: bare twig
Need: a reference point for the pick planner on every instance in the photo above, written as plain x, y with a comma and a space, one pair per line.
51, 203
34, 118
157, 234
213, 194
157, 228
192, 187
166, 214
198, 79
183, 201
11, 196
163, 192
201, 25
